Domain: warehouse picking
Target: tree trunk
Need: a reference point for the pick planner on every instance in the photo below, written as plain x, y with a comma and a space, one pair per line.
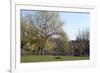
42, 47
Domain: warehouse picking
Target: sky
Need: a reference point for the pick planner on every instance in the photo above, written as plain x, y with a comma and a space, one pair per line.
73, 22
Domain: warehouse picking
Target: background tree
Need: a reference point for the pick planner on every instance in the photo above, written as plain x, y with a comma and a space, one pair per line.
83, 42
28, 35
63, 43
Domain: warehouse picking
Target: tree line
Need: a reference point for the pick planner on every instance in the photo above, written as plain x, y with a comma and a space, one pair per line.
42, 32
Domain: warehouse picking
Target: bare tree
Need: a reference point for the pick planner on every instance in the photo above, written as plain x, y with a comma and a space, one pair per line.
83, 41
46, 24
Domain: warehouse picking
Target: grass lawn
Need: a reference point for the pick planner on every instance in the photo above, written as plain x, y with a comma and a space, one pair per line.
47, 58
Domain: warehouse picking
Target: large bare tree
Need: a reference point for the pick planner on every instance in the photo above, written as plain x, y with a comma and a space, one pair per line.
47, 25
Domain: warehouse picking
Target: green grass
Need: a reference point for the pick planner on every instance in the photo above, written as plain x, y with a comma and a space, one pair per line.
47, 58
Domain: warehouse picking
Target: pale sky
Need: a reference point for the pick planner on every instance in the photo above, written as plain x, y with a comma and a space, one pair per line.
73, 22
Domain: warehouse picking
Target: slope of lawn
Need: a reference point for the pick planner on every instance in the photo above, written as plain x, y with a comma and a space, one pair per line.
47, 58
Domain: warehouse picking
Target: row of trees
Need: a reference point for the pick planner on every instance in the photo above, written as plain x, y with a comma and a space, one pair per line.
40, 32
83, 42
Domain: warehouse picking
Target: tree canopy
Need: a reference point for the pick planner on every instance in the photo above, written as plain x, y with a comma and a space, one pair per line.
41, 27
